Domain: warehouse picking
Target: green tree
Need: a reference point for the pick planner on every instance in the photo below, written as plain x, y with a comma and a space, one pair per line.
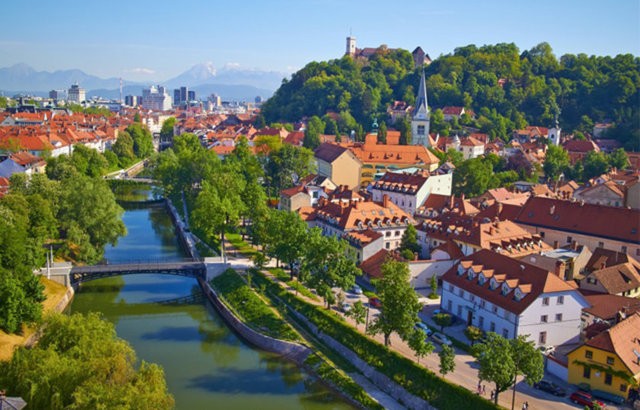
382, 133
618, 159
142, 140
419, 345
89, 161
555, 163
434, 287
447, 360
400, 305
80, 363
404, 126
123, 148
136, 118
473, 334
595, 164
502, 360
358, 313
166, 133
315, 127
443, 320
410, 241
89, 217
326, 265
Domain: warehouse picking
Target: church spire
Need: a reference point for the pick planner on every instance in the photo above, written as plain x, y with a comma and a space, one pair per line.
422, 106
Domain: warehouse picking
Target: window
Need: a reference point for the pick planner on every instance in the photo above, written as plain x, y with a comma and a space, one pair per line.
560, 300
623, 249
461, 293
586, 373
397, 233
494, 309
505, 333
451, 288
449, 306
608, 379
388, 245
569, 239
460, 311
421, 129
545, 301
482, 303
588, 354
542, 338
600, 244
610, 360
481, 323
544, 318
542, 234
623, 387
387, 234
558, 317
492, 327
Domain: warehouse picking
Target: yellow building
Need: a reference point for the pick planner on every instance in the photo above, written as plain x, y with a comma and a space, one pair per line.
610, 361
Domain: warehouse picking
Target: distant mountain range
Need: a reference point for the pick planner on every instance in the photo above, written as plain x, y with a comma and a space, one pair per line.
204, 79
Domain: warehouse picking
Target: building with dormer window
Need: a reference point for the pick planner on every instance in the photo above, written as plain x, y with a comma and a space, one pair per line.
500, 294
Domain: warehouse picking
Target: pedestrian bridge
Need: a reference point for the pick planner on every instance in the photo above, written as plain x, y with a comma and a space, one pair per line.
190, 268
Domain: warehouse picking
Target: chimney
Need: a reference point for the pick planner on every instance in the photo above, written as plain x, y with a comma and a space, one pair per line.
385, 200
560, 270
499, 208
603, 265
574, 245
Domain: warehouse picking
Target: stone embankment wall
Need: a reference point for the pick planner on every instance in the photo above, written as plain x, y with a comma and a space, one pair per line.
381, 381
184, 236
289, 350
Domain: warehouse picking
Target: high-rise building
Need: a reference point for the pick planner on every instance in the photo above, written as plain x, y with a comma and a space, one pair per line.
182, 96
131, 100
421, 117
191, 95
57, 94
156, 99
76, 94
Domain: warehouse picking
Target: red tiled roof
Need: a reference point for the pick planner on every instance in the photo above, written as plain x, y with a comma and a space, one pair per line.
595, 220
329, 152
580, 146
606, 306
530, 280
621, 339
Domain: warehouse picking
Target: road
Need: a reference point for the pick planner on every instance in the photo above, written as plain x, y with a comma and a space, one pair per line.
466, 372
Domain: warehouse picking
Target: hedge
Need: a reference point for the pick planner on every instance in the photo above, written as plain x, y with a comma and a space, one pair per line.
416, 379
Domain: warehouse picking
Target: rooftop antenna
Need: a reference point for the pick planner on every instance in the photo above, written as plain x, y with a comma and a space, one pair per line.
121, 90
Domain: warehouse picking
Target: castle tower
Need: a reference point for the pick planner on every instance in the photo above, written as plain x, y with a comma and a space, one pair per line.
420, 120
351, 46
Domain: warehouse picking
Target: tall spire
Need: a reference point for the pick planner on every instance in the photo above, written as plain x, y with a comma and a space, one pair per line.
422, 106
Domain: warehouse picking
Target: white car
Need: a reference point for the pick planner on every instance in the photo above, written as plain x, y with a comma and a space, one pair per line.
442, 339
345, 307
356, 290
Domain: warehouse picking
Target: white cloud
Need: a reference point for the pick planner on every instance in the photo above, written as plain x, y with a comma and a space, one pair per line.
232, 66
141, 70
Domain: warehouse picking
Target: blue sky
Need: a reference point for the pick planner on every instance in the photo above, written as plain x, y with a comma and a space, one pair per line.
147, 40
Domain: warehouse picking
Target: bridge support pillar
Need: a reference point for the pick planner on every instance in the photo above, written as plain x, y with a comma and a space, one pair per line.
60, 272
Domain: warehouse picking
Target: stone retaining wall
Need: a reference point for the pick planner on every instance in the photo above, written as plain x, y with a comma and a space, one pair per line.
289, 350
381, 381
184, 236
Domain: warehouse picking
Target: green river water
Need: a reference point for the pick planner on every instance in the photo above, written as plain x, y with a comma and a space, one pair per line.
207, 366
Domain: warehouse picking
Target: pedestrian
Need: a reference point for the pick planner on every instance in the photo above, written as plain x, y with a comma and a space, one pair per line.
484, 390
479, 389
493, 394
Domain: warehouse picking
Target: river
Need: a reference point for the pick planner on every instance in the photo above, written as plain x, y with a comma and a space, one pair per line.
206, 364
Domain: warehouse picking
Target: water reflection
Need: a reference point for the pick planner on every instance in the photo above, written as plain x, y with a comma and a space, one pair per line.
205, 363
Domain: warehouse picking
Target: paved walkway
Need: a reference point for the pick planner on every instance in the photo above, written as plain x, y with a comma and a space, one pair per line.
466, 372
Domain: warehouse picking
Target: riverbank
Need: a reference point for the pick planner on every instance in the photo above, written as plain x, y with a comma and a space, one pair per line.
58, 298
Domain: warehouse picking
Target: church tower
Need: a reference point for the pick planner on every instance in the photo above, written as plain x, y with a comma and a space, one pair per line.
351, 46
420, 120
554, 133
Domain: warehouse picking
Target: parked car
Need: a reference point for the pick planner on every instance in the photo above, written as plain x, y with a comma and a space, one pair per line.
357, 290
547, 350
345, 307
375, 302
550, 387
603, 395
421, 326
442, 339
585, 399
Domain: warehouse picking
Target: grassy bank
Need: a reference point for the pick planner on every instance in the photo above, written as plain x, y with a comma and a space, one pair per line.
414, 378
253, 311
